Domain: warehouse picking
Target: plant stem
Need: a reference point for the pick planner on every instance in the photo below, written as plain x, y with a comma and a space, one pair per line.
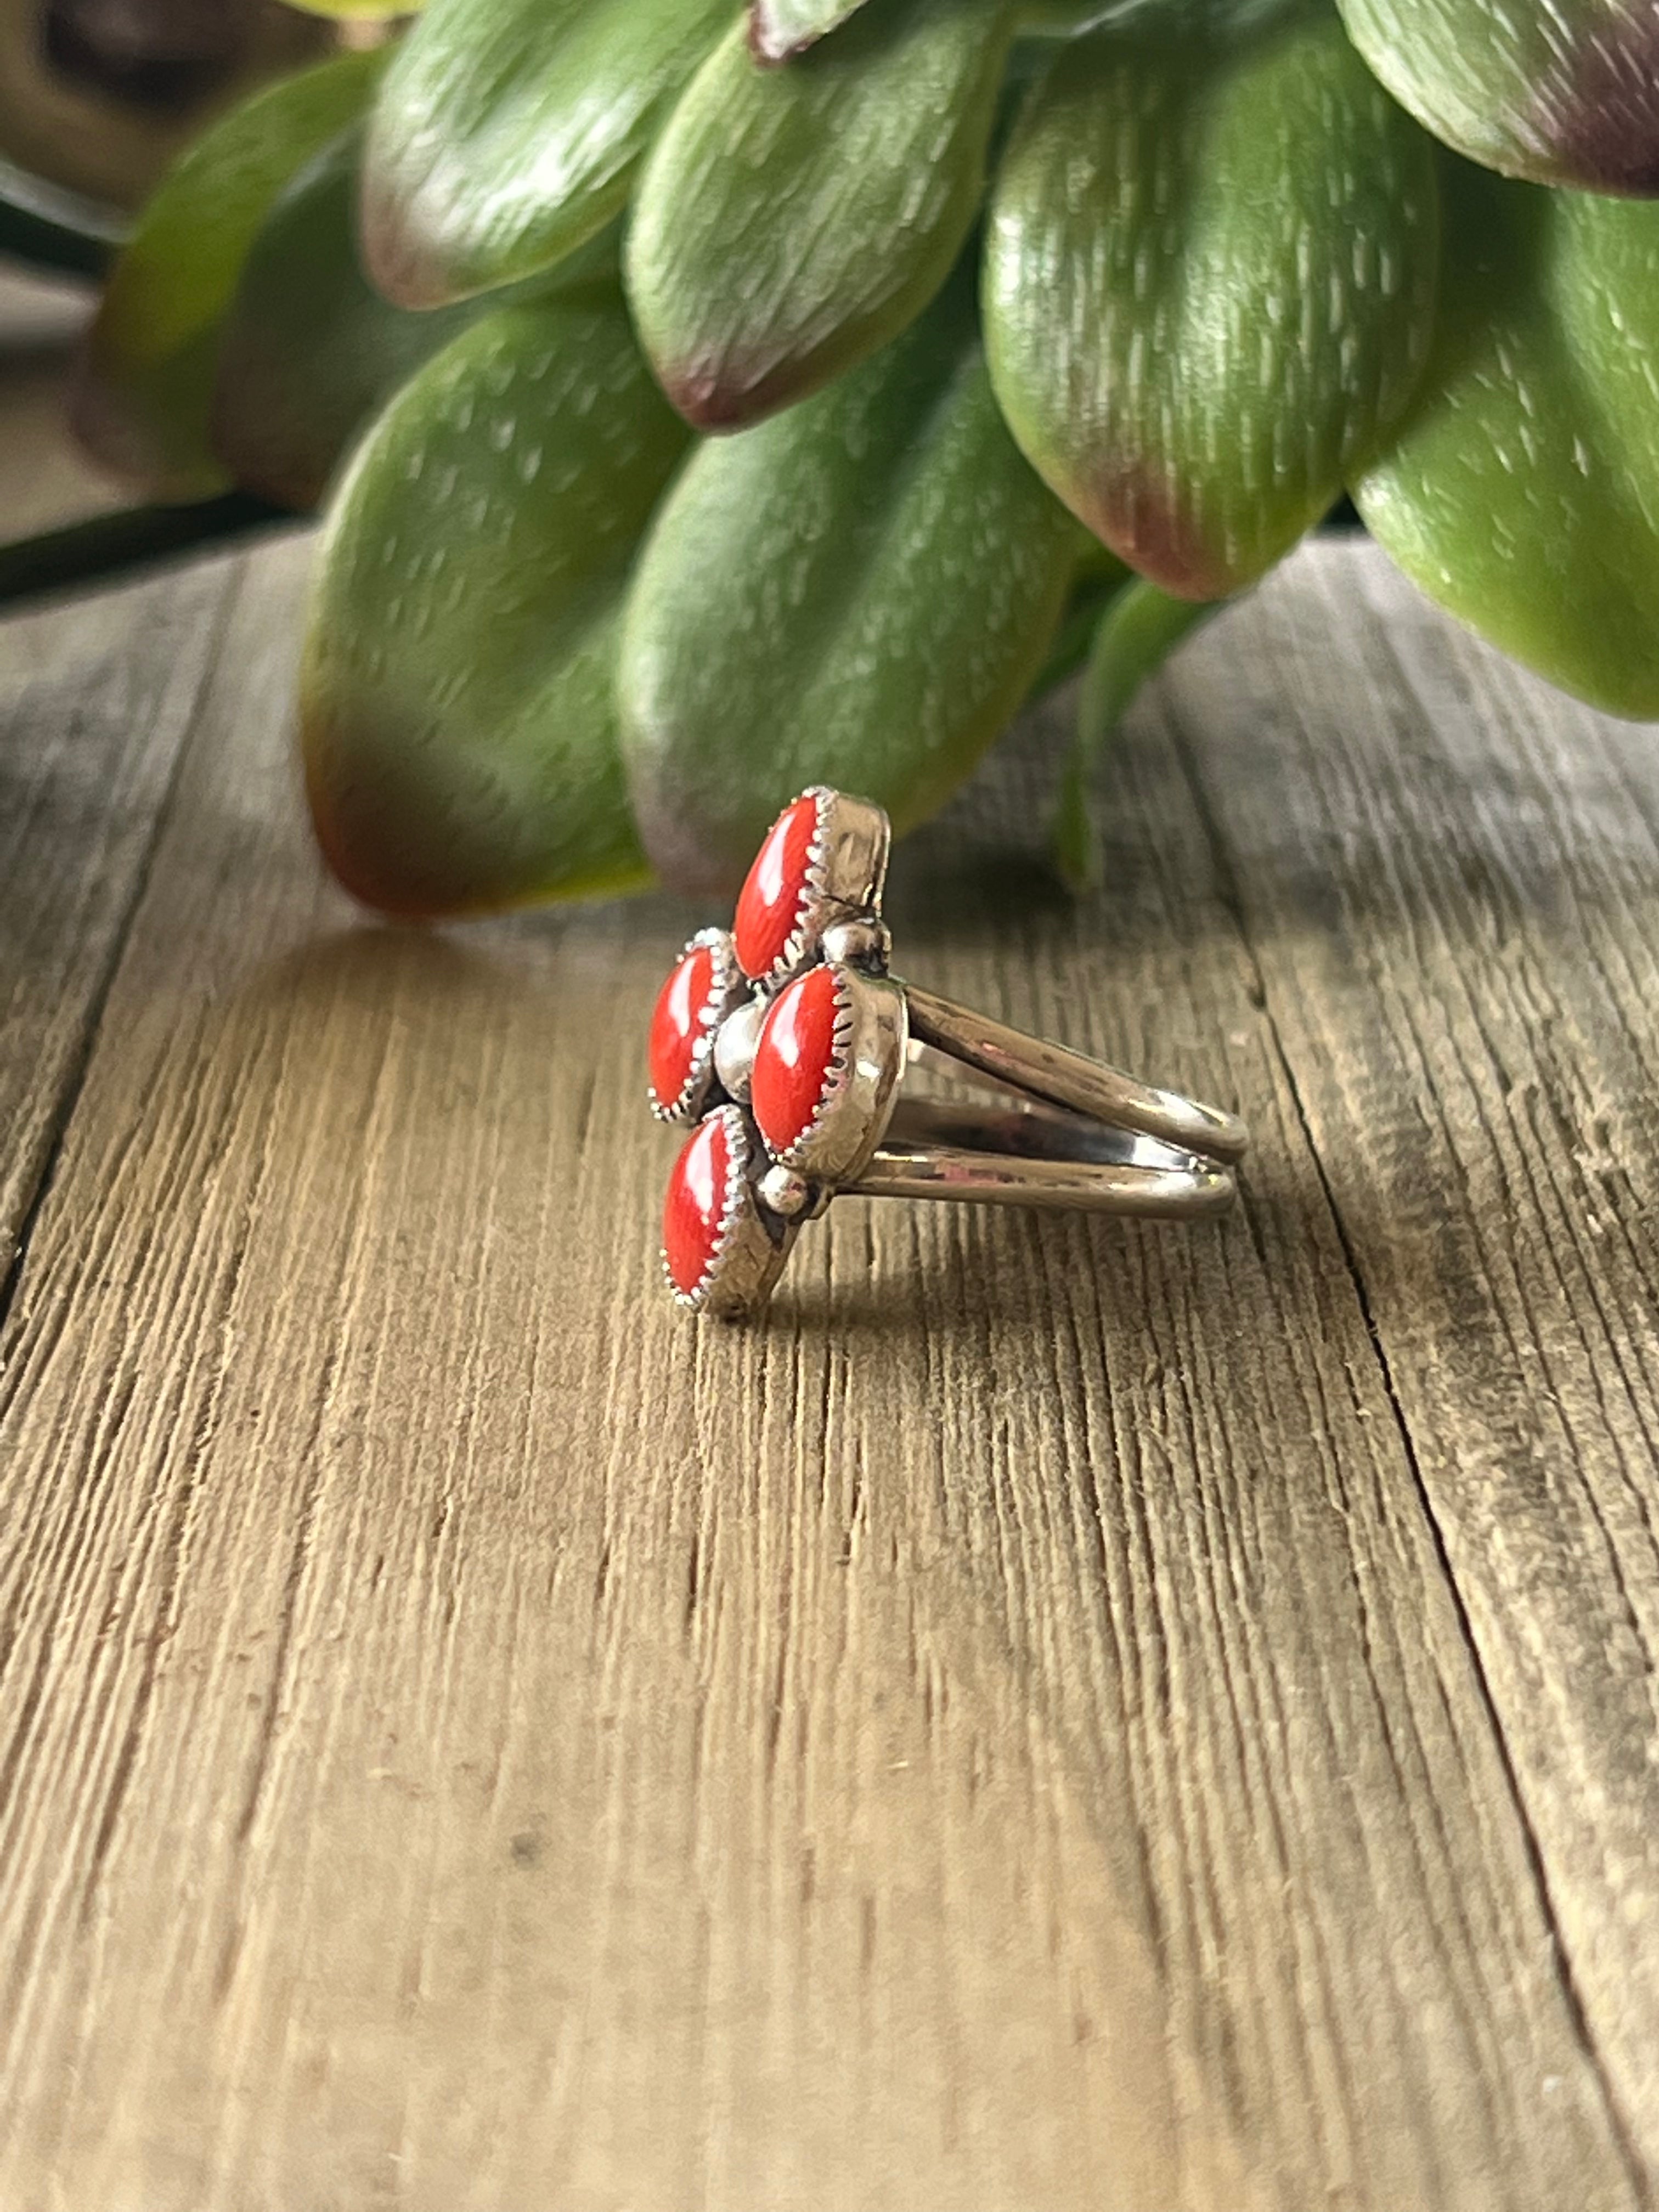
111, 544
55, 246
1140, 627
1076, 634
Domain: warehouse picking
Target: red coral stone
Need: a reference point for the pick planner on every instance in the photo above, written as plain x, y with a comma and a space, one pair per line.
694, 1211
770, 904
677, 1024
792, 1060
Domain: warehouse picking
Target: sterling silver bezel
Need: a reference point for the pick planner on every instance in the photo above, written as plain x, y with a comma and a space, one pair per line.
729, 986
861, 1083
750, 1244
846, 870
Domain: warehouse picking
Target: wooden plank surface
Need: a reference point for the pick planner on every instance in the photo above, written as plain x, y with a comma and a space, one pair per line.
1063, 1714
1447, 874
93, 712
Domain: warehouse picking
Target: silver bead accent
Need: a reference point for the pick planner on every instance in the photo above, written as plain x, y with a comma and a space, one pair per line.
784, 1192
861, 941
734, 1047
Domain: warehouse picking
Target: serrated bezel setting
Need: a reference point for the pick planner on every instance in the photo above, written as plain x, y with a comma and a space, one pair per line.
841, 879
748, 1245
859, 1080
726, 987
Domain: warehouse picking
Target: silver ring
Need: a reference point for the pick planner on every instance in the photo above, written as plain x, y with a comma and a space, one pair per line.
799, 1060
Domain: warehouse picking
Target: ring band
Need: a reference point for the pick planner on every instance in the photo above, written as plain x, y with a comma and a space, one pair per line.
934, 1148
788, 1046
1068, 1079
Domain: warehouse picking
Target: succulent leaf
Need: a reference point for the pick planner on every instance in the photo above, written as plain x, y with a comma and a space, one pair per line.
1209, 289
310, 349
509, 131
145, 379
1523, 492
1566, 93
1068, 18
779, 28
858, 592
790, 222
1230, 19
358, 11
458, 694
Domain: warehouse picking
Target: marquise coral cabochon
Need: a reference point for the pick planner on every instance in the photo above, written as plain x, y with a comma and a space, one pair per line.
704, 1192
688, 1010
798, 1058
771, 904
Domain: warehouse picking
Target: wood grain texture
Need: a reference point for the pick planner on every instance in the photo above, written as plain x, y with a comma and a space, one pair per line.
1030, 1725
1448, 876
93, 712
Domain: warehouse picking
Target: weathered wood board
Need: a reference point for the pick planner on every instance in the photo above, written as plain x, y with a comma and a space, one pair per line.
93, 710
1061, 1715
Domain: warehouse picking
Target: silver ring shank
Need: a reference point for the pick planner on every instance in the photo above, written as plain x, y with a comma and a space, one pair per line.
1057, 1077
1034, 1156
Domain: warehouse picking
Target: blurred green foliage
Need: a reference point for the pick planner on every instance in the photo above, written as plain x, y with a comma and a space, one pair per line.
991, 318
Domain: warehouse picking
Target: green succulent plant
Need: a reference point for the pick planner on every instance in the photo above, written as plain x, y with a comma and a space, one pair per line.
709, 400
